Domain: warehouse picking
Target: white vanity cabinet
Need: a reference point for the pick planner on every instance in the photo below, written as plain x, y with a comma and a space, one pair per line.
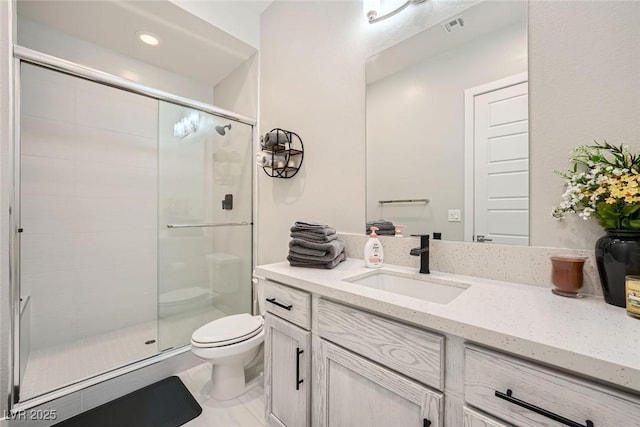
362, 368
528, 395
287, 350
353, 391
373, 371
476, 419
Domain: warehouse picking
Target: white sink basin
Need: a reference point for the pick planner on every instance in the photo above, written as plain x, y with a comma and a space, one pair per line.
424, 287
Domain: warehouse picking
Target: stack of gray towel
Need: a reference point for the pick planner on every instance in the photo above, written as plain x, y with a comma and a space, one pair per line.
315, 245
385, 228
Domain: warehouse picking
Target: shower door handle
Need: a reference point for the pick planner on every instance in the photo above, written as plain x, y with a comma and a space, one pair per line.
219, 224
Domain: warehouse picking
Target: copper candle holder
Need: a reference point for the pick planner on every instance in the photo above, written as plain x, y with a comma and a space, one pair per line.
567, 275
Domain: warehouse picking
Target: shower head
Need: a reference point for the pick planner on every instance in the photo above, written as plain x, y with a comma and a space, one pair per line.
221, 129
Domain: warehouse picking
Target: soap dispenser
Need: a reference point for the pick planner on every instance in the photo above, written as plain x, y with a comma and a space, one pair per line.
373, 253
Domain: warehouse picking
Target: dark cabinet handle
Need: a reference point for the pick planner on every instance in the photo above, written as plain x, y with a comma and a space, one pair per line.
509, 398
279, 304
298, 380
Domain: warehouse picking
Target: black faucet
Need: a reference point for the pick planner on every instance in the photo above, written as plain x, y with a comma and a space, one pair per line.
422, 252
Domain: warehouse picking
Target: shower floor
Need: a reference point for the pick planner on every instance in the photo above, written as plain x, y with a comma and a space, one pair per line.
53, 367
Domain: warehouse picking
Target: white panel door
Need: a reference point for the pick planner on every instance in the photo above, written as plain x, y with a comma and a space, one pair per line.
501, 165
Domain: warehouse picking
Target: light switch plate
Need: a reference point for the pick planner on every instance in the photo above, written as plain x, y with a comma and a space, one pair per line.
455, 215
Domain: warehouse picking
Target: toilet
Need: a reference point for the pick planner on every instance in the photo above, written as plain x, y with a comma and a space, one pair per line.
229, 344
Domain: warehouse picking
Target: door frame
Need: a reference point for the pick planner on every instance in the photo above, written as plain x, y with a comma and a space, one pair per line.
469, 143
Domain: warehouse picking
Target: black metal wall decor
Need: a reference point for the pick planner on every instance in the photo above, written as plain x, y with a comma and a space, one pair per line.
282, 153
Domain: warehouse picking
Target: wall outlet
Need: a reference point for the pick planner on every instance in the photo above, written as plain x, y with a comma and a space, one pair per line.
455, 215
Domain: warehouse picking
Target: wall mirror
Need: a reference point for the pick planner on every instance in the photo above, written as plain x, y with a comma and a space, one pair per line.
447, 128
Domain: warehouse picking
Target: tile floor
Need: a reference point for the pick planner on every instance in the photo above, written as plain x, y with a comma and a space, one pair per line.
244, 411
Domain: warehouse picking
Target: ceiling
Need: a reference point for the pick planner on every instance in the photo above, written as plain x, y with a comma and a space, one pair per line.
480, 19
190, 46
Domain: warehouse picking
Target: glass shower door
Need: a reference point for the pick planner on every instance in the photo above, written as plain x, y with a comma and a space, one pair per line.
88, 201
205, 221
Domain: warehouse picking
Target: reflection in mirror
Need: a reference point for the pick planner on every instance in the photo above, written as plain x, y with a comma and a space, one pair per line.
447, 122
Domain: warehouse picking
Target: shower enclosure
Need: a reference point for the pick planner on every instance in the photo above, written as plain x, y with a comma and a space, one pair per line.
134, 225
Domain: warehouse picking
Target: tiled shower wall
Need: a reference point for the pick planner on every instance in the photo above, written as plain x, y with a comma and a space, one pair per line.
88, 206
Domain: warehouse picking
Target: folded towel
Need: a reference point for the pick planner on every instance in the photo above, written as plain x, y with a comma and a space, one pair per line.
274, 137
383, 232
313, 237
294, 262
313, 228
327, 250
382, 225
312, 258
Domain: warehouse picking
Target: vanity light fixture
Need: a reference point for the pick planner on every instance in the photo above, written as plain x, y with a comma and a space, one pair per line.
372, 7
148, 38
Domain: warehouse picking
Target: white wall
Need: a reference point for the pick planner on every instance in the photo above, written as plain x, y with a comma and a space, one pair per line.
238, 92
238, 18
312, 83
88, 206
44, 39
584, 85
415, 130
584, 75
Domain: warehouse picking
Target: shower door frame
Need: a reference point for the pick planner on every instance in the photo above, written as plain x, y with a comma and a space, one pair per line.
30, 56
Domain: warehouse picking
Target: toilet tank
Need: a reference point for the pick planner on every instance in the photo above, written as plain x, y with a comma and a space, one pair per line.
224, 272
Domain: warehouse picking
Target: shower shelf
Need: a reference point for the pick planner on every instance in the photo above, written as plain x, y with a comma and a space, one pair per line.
285, 157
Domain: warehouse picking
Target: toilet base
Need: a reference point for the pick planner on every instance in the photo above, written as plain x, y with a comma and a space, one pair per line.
227, 381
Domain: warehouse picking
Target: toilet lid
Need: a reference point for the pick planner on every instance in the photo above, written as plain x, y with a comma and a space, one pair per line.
228, 330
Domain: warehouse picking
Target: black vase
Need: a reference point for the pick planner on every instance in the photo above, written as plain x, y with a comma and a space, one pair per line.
617, 255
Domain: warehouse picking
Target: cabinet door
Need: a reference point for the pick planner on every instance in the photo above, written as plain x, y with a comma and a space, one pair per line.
287, 370
476, 419
357, 392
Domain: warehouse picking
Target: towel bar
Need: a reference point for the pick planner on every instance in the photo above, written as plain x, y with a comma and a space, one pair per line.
382, 202
220, 224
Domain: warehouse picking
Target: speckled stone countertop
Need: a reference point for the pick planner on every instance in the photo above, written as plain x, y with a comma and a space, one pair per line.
585, 335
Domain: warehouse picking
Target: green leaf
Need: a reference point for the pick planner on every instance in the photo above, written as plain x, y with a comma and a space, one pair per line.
630, 209
607, 215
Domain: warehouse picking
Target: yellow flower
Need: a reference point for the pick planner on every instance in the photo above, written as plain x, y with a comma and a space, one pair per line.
610, 200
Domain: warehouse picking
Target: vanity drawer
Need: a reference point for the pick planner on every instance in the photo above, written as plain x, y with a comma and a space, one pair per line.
476, 419
526, 394
288, 303
405, 349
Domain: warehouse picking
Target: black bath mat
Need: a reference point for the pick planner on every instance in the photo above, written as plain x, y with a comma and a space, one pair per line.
166, 403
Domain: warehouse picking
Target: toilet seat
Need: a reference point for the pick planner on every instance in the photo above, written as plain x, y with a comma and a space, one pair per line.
227, 330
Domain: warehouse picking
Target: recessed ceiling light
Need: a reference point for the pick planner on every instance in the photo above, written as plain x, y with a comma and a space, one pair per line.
148, 38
